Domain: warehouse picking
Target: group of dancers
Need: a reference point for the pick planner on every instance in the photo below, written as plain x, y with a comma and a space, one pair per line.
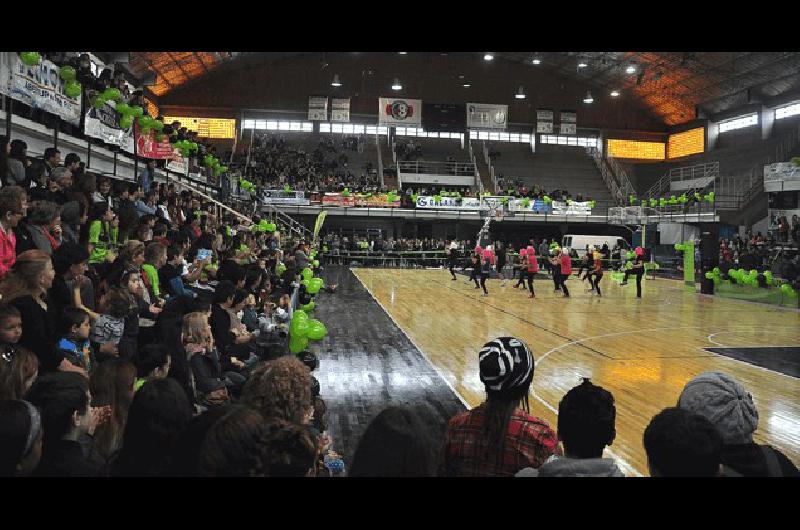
485, 262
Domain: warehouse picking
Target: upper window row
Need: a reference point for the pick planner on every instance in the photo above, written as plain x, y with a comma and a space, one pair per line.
787, 111
274, 125
501, 136
560, 139
738, 123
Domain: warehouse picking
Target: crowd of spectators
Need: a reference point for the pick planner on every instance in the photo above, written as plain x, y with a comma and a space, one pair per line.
518, 188
275, 163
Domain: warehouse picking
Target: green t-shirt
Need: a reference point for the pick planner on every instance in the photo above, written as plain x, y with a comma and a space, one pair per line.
152, 277
96, 233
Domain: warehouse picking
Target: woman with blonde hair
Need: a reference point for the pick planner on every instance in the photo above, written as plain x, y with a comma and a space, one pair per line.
25, 287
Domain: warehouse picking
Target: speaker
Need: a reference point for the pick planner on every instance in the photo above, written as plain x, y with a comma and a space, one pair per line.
709, 247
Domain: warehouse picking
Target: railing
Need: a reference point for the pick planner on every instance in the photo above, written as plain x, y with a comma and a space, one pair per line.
380, 156
608, 176
697, 171
625, 186
461, 169
478, 179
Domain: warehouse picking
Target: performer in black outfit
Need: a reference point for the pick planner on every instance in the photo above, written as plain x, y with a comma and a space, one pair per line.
500, 255
453, 258
638, 271
476, 269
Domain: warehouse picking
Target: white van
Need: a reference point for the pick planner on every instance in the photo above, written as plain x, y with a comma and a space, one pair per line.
579, 242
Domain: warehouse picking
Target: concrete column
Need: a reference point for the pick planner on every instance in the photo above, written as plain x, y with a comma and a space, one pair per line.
767, 120
712, 133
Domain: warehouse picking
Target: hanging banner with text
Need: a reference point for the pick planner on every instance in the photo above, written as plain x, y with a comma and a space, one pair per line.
318, 108
373, 201
544, 121
399, 111
569, 122
103, 124
296, 198
487, 116
340, 109
40, 87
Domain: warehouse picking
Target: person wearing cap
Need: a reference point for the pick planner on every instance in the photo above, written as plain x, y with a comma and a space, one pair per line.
724, 402
452, 258
20, 438
499, 437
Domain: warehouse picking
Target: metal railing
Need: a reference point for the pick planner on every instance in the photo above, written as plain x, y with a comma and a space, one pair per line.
461, 169
624, 183
697, 171
607, 175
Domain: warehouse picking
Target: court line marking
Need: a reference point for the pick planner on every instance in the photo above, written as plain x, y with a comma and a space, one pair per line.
712, 341
424, 355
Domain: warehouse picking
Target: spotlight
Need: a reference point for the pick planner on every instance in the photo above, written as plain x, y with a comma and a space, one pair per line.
520, 93
396, 85
488, 57
336, 81
614, 93
536, 61
588, 98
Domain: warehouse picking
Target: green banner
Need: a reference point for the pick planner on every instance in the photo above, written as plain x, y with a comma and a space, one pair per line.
318, 225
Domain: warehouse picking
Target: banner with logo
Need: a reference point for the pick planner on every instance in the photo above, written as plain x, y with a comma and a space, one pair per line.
148, 147
373, 201
534, 205
318, 108
104, 125
296, 198
40, 87
487, 116
450, 203
573, 208
544, 121
569, 123
340, 109
400, 111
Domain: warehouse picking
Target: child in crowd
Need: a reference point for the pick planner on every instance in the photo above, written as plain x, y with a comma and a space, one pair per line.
211, 385
109, 326
74, 344
153, 363
19, 367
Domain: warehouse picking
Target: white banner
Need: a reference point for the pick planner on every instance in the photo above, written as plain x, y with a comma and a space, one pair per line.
573, 208
466, 203
40, 87
544, 127
318, 108
104, 124
569, 117
568, 128
487, 116
399, 111
180, 165
544, 115
340, 109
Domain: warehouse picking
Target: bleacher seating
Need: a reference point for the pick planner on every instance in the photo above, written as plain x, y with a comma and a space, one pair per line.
435, 149
551, 167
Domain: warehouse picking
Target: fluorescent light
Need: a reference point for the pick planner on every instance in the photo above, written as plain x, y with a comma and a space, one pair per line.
536, 61
631, 69
588, 98
402, 53
520, 94
488, 57
466, 85
396, 85
614, 93
582, 64
336, 81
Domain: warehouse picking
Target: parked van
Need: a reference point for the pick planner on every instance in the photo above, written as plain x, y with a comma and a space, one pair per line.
579, 242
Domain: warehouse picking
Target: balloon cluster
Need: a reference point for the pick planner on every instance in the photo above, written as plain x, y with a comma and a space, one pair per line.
744, 277
788, 290
709, 196
185, 147
287, 188
547, 199
632, 199
796, 160
215, 165
302, 329
346, 192
30, 58
71, 88
392, 197
526, 202
714, 275
681, 246
246, 185
266, 226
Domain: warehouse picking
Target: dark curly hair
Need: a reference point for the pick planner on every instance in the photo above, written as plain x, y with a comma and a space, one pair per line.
234, 445
280, 389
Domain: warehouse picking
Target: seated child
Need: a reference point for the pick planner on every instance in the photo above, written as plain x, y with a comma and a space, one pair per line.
74, 343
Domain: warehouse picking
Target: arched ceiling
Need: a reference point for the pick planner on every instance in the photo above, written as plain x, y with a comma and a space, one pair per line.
670, 85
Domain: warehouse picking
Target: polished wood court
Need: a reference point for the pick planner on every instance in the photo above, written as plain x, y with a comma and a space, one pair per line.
643, 351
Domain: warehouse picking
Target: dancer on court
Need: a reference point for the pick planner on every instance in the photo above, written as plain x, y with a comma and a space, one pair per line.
532, 268
452, 258
562, 266
555, 268
476, 269
500, 255
637, 270
597, 273
486, 270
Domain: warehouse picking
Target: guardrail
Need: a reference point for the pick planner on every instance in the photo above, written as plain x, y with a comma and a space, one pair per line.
460, 169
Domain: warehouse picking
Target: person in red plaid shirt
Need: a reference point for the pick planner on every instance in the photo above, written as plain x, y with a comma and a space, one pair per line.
499, 437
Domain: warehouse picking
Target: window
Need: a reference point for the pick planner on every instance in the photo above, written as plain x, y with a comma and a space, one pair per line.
294, 126
272, 125
249, 124
787, 111
371, 129
347, 128
738, 123
336, 128
324, 127
556, 139
525, 138
383, 130
261, 125
308, 126
358, 129
400, 131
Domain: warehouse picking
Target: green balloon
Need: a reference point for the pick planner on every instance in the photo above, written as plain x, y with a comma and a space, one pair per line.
160, 137
271, 227
717, 270
122, 107
192, 146
308, 307
298, 344
98, 102
67, 73
112, 93
158, 125
315, 284
72, 89
126, 121
315, 263
316, 330
137, 110
709, 276
305, 282
281, 268
30, 58
307, 273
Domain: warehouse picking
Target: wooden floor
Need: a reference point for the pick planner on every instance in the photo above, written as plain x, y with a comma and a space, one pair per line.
643, 351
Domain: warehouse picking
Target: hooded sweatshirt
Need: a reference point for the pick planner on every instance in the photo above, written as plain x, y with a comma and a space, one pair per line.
574, 467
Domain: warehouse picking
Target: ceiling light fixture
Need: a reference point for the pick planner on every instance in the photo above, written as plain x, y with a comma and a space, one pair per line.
520, 93
402, 53
466, 85
336, 81
582, 63
488, 57
536, 60
396, 85
614, 93
631, 69
588, 98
